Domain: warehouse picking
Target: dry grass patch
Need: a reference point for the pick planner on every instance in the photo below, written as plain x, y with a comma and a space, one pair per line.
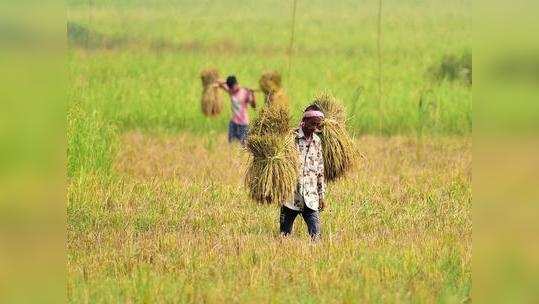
176, 225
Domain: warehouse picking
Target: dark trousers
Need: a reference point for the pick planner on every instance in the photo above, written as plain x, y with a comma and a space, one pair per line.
238, 132
311, 218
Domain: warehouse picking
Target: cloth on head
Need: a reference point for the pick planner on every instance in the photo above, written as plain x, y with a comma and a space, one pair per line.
313, 113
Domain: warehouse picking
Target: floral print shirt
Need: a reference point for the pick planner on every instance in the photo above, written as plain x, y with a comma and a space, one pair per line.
310, 187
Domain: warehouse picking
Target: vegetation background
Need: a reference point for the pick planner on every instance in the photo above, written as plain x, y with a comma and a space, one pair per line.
156, 209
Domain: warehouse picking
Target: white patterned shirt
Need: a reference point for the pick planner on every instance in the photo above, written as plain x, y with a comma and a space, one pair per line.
310, 187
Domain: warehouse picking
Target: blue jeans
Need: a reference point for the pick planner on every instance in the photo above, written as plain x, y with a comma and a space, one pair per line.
311, 218
236, 131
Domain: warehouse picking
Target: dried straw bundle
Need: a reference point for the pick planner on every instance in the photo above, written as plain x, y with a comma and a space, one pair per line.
209, 77
273, 172
270, 85
271, 120
331, 107
211, 102
337, 146
270, 82
278, 99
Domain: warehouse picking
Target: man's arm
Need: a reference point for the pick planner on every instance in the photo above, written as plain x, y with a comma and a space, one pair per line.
221, 84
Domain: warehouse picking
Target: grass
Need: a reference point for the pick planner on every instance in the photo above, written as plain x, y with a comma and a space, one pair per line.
148, 78
141, 70
176, 225
157, 211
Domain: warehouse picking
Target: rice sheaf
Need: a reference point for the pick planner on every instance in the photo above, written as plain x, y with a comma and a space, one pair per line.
337, 145
210, 101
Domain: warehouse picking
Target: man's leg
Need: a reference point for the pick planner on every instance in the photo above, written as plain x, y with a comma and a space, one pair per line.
230, 131
286, 220
244, 130
312, 219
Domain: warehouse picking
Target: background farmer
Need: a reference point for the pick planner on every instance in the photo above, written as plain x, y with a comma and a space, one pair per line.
309, 194
240, 97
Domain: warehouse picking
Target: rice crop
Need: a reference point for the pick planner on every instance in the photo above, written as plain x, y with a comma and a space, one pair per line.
273, 168
273, 172
271, 120
454, 67
337, 145
271, 85
211, 102
270, 82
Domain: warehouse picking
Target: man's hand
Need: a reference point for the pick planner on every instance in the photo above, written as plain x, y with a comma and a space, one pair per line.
321, 204
221, 84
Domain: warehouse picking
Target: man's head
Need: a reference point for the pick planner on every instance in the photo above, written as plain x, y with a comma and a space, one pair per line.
313, 119
232, 83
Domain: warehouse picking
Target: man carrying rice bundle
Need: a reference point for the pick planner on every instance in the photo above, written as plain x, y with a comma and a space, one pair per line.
309, 194
240, 98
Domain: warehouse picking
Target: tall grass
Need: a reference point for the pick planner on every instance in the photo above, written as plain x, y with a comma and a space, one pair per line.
146, 74
91, 143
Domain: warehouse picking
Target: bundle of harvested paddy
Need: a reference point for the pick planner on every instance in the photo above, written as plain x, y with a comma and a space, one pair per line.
271, 120
211, 102
270, 82
337, 146
331, 107
278, 99
273, 172
270, 85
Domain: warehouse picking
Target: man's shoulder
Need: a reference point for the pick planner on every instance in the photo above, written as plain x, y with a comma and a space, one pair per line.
244, 90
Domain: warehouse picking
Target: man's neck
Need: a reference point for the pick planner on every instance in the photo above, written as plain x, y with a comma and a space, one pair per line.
308, 135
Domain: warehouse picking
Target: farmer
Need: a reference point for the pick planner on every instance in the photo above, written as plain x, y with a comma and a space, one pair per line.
240, 98
309, 194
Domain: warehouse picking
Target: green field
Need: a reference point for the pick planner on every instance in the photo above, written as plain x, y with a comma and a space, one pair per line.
156, 208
